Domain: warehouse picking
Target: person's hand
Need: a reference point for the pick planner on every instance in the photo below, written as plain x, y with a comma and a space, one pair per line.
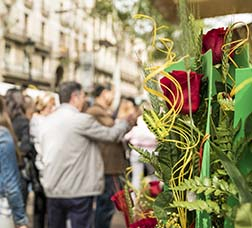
23, 226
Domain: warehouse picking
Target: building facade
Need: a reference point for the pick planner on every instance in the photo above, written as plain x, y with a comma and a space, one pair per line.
43, 42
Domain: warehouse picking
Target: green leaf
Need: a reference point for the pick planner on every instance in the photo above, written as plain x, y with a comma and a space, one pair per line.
248, 126
244, 216
209, 191
207, 182
217, 192
237, 128
161, 205
235, 175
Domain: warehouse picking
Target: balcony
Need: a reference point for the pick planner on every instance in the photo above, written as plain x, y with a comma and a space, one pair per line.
128, 77
17, 74
28, 3
42, 45
206, 8
18, 37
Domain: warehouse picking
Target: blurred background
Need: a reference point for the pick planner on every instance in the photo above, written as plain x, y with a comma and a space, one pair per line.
95, 42
44, 42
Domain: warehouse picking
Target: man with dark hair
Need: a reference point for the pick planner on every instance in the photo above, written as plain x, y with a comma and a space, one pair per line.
66, 89
73, 167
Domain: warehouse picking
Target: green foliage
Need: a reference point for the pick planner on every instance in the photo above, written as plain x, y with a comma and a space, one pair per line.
154, 124
161, 205
249, 180
207, 186
225, 59
248, 127
168, 156
235, 175
150, 158
102, 8
198, 48
128, 201
200, 116
224, 133
191, 36
163, 159
155, 101
244, 216
202, 205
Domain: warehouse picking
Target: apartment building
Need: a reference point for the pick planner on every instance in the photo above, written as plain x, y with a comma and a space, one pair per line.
43, 42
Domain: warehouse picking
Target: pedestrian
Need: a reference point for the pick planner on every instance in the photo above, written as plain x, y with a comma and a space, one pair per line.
44, 105
12, 208
113, 153
73, 167
15, 104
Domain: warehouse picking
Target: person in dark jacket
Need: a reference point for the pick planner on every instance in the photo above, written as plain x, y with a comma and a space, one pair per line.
113, 153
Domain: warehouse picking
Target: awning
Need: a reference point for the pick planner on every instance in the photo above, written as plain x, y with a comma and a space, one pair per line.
203, 8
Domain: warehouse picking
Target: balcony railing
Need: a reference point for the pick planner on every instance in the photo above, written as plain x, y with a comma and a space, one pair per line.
28, 3
19, 74
42, 44
19, 36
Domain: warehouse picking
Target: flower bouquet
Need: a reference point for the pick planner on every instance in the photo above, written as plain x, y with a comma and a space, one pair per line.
202, 120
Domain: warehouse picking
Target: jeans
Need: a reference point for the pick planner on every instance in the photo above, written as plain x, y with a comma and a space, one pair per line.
105, 208
77, 210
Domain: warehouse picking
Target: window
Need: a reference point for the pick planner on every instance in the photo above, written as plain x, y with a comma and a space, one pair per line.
76, 44
62, 39
26, 63
42, 65
43, 32
26, 18
7, 52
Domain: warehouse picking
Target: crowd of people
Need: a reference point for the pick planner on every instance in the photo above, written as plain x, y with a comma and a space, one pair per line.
73, 156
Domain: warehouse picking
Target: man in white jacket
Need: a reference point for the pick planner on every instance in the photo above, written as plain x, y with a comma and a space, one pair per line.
73, 167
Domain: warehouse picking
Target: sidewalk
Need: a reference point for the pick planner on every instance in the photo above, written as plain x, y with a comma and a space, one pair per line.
117, 221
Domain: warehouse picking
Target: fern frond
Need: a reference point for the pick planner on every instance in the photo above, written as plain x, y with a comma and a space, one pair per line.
207, 186
154, 124
149, 158
201, 205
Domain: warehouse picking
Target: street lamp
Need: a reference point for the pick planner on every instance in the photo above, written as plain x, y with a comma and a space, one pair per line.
29, 49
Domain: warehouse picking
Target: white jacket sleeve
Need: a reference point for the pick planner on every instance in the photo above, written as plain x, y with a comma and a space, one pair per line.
89, 127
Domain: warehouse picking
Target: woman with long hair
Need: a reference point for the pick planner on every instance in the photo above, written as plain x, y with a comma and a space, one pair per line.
15, 105
12, 208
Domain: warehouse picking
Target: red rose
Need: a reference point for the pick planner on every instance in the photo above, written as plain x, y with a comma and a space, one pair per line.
181, 77
145, 223
155, 188
214, 40
119, 200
